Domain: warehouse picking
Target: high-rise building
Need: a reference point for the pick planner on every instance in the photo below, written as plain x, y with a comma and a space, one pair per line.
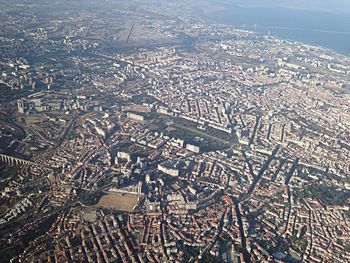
135, 117
21, 106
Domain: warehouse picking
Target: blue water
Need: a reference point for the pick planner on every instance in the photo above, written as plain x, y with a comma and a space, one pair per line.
327, 29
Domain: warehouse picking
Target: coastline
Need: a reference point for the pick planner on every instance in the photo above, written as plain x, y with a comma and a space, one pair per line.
325, 36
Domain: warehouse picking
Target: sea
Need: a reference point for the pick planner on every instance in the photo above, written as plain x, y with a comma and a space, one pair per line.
327, 29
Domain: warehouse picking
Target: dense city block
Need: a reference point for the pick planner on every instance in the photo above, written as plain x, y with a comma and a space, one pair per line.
138, 131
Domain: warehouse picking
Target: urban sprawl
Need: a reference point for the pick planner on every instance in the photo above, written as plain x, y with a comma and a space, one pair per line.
137, 131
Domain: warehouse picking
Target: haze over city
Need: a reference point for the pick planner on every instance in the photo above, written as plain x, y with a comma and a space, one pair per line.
174, 131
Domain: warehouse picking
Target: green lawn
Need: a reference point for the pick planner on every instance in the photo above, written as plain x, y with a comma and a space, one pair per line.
208, 140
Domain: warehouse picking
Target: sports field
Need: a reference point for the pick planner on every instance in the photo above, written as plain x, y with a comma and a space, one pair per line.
118, 201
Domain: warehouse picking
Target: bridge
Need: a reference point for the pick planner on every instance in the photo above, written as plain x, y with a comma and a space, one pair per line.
10, 160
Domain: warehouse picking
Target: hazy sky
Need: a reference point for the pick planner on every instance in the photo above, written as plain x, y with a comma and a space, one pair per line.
324, 5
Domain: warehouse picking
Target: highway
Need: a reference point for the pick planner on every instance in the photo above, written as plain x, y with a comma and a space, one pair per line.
261, 173
67, 131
